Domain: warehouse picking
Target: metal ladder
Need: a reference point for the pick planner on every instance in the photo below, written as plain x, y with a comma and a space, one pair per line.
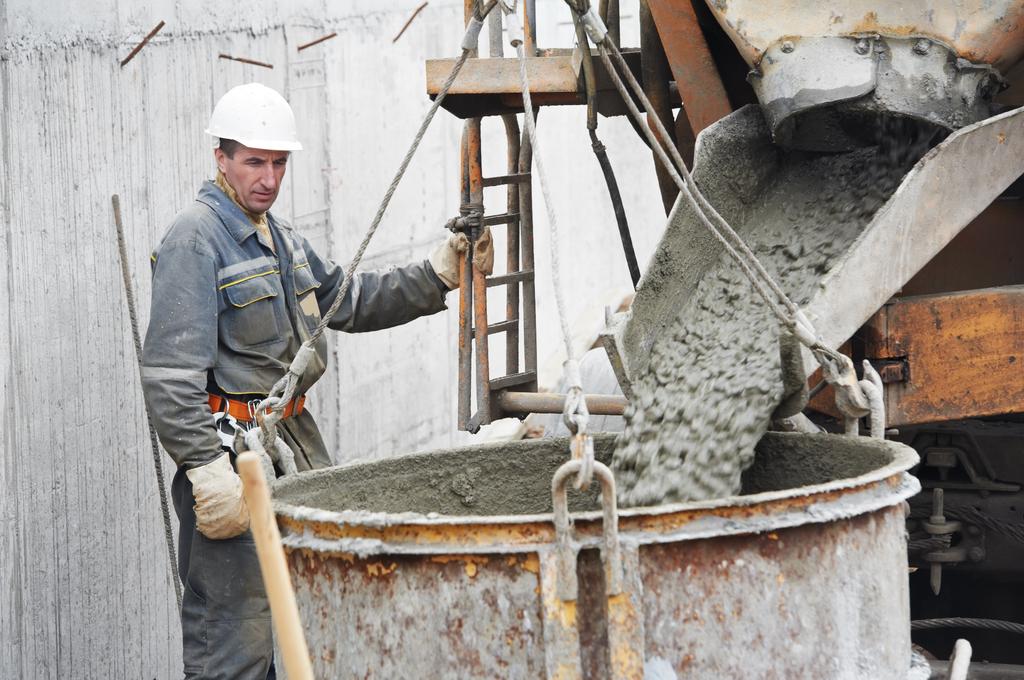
520, 322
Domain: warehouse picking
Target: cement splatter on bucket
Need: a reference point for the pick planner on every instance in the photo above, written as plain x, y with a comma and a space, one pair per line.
445, 565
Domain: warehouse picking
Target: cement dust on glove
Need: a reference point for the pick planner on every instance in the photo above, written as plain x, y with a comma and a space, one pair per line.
446, 257
220, 507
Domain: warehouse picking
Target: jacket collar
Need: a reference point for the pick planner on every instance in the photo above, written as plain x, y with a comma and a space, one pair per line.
236, 221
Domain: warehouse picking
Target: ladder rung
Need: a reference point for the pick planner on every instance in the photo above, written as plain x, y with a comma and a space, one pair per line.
519, 178
503, 218
514, 277
501, 327
513, 380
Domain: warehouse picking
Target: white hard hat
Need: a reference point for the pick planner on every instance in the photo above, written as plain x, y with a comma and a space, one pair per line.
256, 116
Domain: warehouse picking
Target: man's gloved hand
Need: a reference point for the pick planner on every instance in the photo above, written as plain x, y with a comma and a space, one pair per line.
220, 507
446, 257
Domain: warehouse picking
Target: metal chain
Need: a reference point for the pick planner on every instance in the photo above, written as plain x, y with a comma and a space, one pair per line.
158, 465
283, 390
574, 411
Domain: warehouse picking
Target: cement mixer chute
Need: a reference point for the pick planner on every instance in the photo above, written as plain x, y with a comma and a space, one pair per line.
981, 32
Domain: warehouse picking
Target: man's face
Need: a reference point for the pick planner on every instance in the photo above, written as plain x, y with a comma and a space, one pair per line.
254, 174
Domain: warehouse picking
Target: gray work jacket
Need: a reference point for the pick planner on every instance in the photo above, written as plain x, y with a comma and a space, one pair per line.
228, 316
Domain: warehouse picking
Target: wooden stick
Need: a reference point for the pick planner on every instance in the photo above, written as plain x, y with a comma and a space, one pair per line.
244, 60
316, 42
415, 13
283, 609
149, 36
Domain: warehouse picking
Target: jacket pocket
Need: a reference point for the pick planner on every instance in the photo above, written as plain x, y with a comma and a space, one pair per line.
254, 314
304, 279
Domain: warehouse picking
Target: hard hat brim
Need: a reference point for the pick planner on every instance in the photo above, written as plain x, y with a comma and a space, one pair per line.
264, 144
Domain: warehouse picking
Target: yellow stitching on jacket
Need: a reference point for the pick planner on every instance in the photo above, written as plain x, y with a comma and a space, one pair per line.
246, 278
252, 301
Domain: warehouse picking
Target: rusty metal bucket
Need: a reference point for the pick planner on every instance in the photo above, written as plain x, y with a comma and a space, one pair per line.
446, 565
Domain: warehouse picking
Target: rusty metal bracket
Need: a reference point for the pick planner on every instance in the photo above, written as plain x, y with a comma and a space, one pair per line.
621, 571
837, 369
567, 547
855, 398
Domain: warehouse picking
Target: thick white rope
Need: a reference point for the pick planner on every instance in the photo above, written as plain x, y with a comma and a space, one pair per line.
574, 411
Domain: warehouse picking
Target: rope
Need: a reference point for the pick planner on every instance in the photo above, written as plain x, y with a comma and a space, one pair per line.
284, 390
158, 465
987, 624
723, 232
574, 412
837, 368
785, 310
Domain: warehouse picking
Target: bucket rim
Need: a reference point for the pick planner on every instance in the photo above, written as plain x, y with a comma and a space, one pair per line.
375, 532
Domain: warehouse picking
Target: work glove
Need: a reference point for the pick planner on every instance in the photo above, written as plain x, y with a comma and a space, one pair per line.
446, 257
220, 507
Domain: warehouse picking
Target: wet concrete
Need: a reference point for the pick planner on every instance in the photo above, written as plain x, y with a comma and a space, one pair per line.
514, 478
493, 479
713, 381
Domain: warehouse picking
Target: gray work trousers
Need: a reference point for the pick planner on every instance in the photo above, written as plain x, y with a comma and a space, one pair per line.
225, 616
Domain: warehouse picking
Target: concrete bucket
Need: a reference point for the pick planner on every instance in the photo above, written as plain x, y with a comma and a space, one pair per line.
448, 565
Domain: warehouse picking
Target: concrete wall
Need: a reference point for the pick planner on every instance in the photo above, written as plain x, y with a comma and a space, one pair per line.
85, 590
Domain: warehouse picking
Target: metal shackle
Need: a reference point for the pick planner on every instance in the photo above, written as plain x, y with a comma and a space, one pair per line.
610, 552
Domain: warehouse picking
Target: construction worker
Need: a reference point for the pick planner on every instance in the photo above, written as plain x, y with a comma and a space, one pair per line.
236, 291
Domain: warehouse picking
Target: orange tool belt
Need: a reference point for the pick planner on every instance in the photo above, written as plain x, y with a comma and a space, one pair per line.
244, 410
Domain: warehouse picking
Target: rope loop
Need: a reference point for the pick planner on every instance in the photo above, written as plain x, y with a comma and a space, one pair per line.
574, 410
578, 6
582, 448
576, 417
